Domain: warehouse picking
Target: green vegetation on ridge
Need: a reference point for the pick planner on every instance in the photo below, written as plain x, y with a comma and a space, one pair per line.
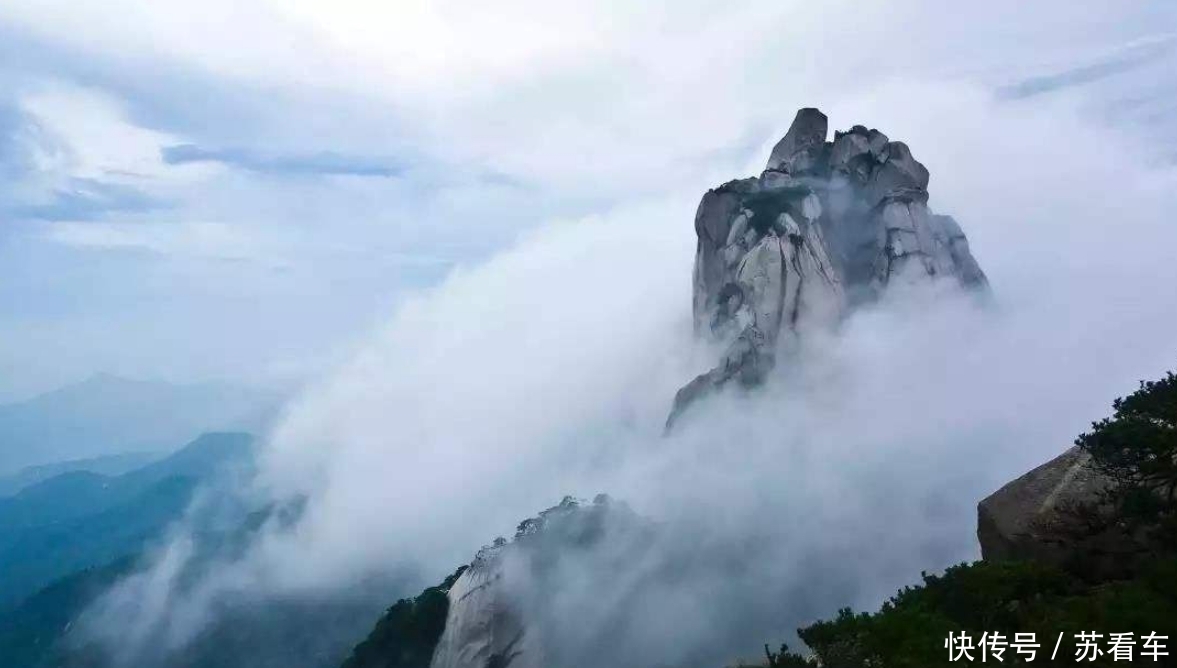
407, 633
1137, 449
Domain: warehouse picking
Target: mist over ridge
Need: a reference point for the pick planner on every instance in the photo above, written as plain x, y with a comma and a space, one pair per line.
548, 370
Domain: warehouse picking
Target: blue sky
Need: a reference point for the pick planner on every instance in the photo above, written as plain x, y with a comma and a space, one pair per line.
239, 190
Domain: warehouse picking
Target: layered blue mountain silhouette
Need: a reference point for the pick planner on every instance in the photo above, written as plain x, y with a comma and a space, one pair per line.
82, 519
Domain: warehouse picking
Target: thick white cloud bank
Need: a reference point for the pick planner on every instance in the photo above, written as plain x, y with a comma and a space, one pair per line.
547, 367
549, 370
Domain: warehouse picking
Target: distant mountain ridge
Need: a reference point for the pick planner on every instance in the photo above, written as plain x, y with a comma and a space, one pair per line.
82, 519
106, 414
78, 551
109, 465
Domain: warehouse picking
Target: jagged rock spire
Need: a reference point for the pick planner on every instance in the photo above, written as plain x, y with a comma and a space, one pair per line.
802, 144
827, 226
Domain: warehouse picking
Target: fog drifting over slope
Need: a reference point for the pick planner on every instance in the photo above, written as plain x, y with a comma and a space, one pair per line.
549, 370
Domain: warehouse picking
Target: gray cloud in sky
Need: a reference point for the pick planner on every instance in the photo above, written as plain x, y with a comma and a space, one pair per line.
1122, 61
326, 163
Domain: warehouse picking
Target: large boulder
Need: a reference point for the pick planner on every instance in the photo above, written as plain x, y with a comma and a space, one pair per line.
1062, 513
1022, 519
827, 226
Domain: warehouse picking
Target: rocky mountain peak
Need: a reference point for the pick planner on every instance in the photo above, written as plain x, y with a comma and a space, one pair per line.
825, 227
801, 144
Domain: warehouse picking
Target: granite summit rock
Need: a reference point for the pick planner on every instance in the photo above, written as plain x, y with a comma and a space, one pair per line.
827, 226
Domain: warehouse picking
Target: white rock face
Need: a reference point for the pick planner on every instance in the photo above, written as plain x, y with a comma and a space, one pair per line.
827, 226
501, 610
483, 627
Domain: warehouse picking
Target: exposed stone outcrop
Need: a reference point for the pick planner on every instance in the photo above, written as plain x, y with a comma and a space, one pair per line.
484, 627
1020, 520
1059, 514
509, 582
827, 226
802, 147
